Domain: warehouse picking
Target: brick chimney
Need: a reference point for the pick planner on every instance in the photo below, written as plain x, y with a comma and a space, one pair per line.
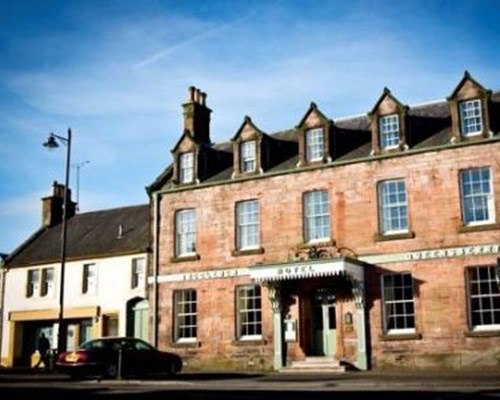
197, 115
52, 206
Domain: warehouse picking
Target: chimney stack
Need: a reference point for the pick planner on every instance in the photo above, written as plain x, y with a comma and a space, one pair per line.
197, 115
52, 206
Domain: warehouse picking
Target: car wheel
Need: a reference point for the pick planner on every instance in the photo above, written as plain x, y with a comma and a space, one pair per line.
111, 371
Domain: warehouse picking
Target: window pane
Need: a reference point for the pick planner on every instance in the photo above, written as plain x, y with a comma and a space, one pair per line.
399, 311
314, 144
249, 311
316, 216
185, 319
393, 208
389, 131
247, 225
477, 198
185, 230
484, 297
471, 121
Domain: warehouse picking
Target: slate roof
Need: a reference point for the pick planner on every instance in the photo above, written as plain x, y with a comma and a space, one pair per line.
429, 127
88, 235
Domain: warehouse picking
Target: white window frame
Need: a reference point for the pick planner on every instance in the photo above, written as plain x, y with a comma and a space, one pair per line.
317, 225
249, 312
89, 279
248, 156
476, 195
471, 118
186, 167
389, 131
33, 283
185, 315
247, 225
483, 298
394, 307
393, 207
185, 233
138, 273
315, 144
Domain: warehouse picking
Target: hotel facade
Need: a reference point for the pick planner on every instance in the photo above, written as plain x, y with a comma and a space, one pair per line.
366, 242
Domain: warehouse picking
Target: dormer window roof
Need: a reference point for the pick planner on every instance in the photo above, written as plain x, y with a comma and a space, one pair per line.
314, 137
469, 108
249, 144
388, 124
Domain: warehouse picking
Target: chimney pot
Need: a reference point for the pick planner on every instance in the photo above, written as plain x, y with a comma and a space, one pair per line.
191, 94
203, 98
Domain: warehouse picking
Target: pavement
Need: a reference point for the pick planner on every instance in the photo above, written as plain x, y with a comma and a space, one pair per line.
396, 379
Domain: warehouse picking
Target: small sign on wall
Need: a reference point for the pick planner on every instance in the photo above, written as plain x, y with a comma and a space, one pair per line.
290, 330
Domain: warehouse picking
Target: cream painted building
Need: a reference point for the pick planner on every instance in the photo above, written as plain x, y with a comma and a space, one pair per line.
104, 284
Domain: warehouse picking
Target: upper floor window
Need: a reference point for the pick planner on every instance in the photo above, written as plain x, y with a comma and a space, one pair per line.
399, 308
48, 287
314, 144
471, 121
249, 312
89, 279
185, 233
138, 272
186, 167
477, 196
248, 156
185, 324
393, 207
247, 225
483, 298
40, 283
316, 216
33, 283
389, 131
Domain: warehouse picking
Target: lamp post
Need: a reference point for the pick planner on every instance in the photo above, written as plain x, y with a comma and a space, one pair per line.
52, 143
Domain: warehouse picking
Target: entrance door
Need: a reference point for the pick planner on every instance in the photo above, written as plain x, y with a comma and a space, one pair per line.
324, 324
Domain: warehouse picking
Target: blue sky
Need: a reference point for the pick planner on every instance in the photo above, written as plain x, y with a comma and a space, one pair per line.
117, 72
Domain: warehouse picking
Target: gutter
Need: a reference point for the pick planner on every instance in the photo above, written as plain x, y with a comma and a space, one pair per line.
155, 267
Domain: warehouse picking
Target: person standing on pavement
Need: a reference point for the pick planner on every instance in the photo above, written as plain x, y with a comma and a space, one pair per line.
43, 348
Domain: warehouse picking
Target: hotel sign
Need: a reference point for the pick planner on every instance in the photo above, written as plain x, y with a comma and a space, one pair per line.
454, 252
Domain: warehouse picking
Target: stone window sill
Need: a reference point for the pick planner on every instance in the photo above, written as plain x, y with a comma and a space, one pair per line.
480, 334
248, 252
256, 342
194, 257
186, 345
404, 336
378, 237
478, 228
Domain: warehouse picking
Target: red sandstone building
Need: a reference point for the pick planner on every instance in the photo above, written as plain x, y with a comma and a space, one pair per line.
371, 241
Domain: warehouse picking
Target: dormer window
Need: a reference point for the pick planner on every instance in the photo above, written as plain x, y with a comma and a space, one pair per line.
186, 167
248, 156
471, 121
315, 146
389, 131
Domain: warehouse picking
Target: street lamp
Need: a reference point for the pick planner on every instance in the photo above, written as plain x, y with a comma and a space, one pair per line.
52, 143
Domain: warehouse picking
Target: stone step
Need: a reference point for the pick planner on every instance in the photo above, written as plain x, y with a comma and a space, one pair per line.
315, 364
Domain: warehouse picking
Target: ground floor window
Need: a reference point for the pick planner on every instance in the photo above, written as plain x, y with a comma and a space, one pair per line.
249, 312
399, 308
185, 315
484, 298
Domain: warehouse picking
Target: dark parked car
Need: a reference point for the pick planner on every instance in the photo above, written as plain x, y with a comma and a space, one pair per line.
111, 356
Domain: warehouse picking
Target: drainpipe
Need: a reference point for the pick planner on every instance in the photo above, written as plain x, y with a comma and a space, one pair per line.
155, 267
